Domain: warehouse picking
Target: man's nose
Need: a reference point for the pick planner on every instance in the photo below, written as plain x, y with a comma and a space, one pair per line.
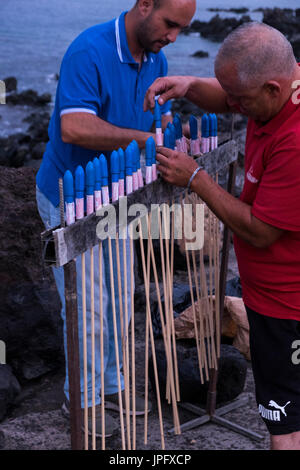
172, 35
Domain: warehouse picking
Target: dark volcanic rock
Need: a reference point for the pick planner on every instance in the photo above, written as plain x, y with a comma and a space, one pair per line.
217, 28
38, 150
29, 97
200, 54
296, 46
282, 19
2, 440
9, 390
17, 149
231, 374
185, 108
240, 10
13, 150
30, 323
10, 84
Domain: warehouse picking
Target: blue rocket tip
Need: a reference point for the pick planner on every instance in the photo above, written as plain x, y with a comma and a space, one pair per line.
157, 114
68, 187
150, 151
129, 156
104, 170
167, 138
173, 136
90, 178
79, 182
98, 178
178, 127
121, 163
215, 125
205, 126
193, 127
114, 166
137, 154
211, 124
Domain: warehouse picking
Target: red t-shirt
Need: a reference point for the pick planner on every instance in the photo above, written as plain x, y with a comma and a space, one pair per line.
270, 276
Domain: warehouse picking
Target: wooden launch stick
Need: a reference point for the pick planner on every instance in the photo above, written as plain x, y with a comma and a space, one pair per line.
126, 344
116, 342
148, 312
209, 320
132, 340
101, 347
93, 349
210, 310
123, 340
204, 304
165, 338
170, 301
217, 284
166, 297
201, 334
83, 288
192, 293
147, 283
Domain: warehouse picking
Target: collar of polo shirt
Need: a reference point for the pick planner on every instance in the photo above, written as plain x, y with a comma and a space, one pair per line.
121, 42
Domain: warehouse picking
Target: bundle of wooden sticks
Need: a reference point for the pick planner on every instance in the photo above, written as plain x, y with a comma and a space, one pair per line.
204, 278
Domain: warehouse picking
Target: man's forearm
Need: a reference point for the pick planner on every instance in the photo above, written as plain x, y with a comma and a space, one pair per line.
208, 94
234, 213
91, 132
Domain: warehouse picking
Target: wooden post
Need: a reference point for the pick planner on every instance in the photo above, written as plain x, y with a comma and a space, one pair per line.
73, 355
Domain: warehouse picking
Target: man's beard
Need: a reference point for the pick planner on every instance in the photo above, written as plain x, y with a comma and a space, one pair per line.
145, 38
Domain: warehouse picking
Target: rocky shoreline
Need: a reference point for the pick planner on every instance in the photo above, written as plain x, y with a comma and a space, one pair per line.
285, 20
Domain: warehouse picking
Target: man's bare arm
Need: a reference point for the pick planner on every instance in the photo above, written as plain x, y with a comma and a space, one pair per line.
91, 132
206, 93
177, 168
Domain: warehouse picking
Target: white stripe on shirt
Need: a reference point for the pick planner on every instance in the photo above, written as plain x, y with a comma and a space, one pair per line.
77, 110
118, 39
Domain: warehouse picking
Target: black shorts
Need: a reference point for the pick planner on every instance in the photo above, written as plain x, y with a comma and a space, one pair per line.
275, 357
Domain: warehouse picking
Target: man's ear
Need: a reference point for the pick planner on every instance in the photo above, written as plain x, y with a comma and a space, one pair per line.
273, 88
145, 6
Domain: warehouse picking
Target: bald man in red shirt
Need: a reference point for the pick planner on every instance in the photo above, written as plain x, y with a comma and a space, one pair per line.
257, 75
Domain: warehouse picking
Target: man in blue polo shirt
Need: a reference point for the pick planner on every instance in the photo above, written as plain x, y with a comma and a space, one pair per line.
99, 107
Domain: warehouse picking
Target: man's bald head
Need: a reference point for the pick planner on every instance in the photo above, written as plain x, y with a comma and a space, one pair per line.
258, 52
156, 3
159, 3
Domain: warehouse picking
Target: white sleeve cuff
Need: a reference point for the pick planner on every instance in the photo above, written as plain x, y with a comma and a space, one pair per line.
77, 110
168, 113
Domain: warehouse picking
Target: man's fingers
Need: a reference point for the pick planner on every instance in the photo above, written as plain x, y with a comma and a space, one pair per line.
160, 87
165, 152
166, 96
163, 160
149, 100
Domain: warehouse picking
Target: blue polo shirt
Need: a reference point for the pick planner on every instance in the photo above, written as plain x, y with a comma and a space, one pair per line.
98, 75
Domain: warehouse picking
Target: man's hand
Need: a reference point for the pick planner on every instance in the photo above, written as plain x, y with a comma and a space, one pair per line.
175, 167
167, 88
